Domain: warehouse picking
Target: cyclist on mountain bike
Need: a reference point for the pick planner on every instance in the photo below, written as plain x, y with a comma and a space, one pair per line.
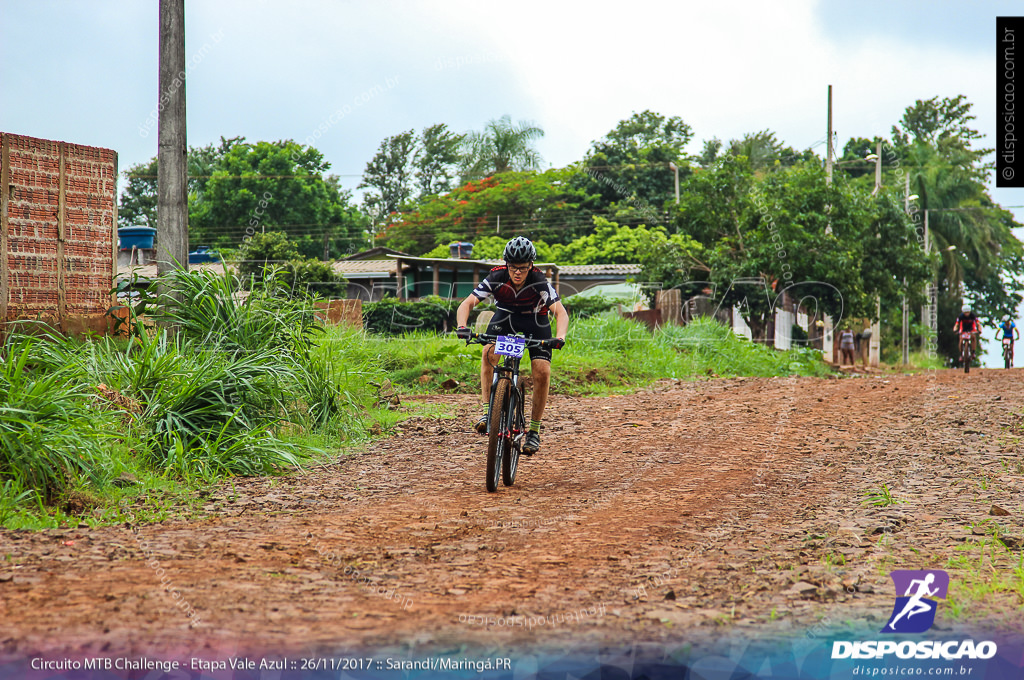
1008, 328
968, 322
523, 297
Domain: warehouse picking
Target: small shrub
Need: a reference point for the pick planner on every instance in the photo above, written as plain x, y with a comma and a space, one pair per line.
391, 316
580, 307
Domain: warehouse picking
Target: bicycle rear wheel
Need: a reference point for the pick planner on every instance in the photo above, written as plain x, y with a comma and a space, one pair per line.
497, 431
517, 430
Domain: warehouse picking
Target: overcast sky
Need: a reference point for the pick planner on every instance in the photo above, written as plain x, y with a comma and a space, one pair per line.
86, 71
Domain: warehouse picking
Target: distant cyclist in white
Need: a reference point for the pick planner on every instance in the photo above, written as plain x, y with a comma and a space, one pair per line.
914, 604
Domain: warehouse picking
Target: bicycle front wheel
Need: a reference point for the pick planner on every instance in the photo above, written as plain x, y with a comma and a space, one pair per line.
497, 431
516, 430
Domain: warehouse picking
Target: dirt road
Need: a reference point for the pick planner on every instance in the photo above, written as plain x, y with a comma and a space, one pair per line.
688, 510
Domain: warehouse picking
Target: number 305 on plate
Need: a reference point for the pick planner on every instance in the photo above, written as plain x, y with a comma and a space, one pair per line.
509, 346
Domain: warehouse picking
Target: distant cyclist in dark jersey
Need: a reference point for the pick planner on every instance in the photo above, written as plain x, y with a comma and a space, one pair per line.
968, 322
525, 301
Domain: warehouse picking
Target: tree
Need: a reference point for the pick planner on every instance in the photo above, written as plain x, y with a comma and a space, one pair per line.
138, 201
276, 185
981, 260
854, 153
203, 161
611, 243
631, 163
713, 199
545, 206
764, 150
766, 233
137, 207
389, 175
709, 154
237, 189
941, 123
437, 159
501, 147
273, 255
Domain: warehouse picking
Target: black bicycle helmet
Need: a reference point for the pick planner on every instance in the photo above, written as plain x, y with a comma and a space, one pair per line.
520, 249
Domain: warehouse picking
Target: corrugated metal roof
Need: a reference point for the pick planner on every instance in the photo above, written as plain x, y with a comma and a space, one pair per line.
365, 267
149, 270
598, 270
386, 268
452, 260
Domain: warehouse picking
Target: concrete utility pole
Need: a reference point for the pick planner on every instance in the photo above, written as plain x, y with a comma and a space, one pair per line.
878, 167
828, 152
828, 161
172, 172
675, 168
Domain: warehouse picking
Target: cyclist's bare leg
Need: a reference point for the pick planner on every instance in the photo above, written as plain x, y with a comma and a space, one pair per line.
487, 363
541, 371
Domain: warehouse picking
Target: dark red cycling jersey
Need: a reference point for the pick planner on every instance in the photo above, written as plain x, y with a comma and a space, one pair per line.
535, 297
967, 323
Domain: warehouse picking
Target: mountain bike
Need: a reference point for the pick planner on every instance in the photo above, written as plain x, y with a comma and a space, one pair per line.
966, 350
1007, 352
506, 420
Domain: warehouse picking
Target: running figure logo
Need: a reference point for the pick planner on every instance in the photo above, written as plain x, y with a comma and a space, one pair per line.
914, 612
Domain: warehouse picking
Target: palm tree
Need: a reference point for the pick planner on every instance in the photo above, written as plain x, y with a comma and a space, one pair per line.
950, 189
501, 147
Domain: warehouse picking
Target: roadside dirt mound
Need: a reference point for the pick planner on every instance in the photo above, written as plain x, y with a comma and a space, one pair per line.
686, 511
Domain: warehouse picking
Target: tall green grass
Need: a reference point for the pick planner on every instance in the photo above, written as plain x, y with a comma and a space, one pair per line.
213, 310
50, 434
709, 347
250, 383
232, 392
602, 353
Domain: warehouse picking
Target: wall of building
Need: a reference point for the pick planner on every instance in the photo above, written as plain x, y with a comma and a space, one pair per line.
58, 217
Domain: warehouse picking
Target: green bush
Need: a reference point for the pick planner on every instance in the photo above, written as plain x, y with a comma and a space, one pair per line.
314, 279
583, 307
263, 251
391, 316
273, 255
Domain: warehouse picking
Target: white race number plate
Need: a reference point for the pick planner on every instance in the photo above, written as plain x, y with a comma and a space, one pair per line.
509, 346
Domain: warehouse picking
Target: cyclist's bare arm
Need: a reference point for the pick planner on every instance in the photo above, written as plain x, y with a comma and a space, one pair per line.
462, 313
561, 319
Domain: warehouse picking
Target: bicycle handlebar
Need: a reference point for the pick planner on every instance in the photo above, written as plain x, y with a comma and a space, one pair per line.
485, 339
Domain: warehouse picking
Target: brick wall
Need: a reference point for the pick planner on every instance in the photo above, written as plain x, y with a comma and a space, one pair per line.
58, 216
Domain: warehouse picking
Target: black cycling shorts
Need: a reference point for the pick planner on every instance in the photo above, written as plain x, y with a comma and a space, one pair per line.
532, 326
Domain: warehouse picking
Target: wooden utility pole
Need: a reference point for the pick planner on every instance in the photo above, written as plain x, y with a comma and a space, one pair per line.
172, 167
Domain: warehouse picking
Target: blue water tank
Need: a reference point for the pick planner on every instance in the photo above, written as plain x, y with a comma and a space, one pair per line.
460, 249
138, 237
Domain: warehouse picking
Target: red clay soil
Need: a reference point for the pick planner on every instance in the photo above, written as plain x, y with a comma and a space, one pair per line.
686, 511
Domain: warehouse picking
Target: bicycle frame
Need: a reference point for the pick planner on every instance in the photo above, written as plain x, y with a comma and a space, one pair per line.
966, 349
509, 369
507, 422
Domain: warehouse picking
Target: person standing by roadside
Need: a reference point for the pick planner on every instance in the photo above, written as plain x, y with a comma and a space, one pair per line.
846, 347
